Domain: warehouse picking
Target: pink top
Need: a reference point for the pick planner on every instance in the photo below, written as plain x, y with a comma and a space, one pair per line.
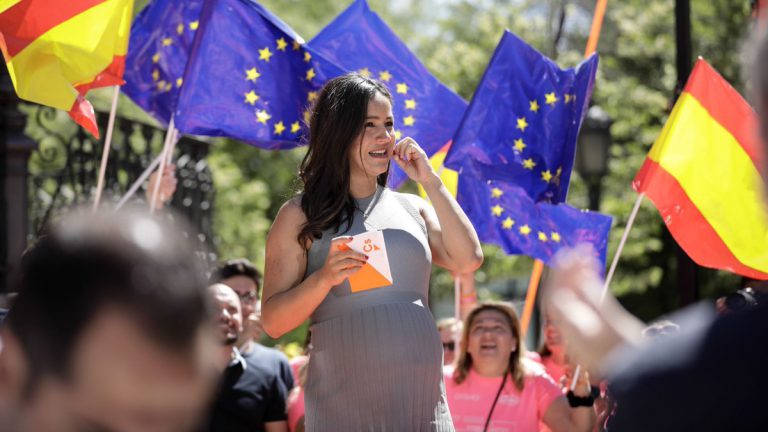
295, 407
556, 371
471, 401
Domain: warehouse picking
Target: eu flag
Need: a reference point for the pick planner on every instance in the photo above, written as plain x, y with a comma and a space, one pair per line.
250, 77
424, 108
161, 39
505, 215
524, 119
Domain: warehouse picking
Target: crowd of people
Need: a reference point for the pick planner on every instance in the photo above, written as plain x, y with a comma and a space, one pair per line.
119, 326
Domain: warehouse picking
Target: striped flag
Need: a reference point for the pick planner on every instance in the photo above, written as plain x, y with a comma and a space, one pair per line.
702, 175
56, 51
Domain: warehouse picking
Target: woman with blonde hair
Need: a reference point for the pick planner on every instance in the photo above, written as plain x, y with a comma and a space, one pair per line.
495, 387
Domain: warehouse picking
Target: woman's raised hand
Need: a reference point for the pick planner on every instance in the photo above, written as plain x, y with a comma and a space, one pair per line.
342, 262
413, 160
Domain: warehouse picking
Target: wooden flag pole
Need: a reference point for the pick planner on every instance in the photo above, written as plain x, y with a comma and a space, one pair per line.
105, 151
166, 155
597, 25
616, 256
139, 181
530, 298
594, 37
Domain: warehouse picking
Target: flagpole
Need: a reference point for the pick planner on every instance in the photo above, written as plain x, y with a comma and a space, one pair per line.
530, 298
624, 236
597, 25
594, 37
165, 157
107, 145
139, 181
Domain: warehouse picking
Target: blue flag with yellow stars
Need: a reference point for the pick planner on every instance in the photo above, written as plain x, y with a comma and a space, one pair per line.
250, 77
161, 39
524, 119
505, 215
424, 108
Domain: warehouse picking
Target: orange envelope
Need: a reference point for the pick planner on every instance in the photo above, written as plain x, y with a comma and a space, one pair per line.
375, 273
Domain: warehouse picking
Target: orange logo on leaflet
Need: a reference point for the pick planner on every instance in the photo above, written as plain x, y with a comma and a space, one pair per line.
375, 273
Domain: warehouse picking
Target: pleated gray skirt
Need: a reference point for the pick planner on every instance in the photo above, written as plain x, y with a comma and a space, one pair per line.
377, 368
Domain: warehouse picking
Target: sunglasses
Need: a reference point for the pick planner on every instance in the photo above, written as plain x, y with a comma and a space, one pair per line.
449, 346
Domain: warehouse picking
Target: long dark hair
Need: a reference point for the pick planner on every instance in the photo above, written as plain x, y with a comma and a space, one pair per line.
337, 120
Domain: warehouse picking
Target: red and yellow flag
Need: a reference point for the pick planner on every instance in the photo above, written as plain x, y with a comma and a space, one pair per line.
56, 50
702, 175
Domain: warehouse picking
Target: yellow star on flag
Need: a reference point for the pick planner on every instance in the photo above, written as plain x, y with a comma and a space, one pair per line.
307, 116
194, 25
307, 56
497, 210
559, 171
522, 124
534, 105
295, 127
311, 74
252, 74
398, 135
542, 236
281, 44
155, 75
179, 81
385, 76
167, 41
251, 97
161, 85
551, 98
156, 58
529, 164
496, 192
180, 28
567, 98
311, 96
365, 72
508, 223
168, 86
410, 104
262, 116
525, 230
279, 128
409, 121
546, 176
296, 45
555, 237
265, 54
402, 88
520, 145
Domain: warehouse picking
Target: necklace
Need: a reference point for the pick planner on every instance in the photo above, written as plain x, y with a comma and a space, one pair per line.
372, 204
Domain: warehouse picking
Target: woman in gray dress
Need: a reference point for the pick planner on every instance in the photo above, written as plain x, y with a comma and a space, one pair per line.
375, 362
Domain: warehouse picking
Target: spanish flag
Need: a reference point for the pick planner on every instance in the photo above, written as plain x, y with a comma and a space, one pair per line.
56, 50
702, 175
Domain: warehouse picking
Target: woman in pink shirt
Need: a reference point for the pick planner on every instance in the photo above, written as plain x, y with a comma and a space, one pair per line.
495, 389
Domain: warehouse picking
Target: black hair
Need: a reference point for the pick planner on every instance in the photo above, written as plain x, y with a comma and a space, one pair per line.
88, 262
236, 267
337, 120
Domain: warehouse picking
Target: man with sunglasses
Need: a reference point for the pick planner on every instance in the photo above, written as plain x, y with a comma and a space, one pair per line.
245, 279
449, 329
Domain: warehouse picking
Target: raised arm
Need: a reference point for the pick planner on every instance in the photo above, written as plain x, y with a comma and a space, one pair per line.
288, 298
452, 237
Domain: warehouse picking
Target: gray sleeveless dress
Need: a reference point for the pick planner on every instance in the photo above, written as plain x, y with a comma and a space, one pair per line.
376, 357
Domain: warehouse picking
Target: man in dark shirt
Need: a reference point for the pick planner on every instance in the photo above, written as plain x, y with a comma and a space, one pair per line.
252, 397
243, 277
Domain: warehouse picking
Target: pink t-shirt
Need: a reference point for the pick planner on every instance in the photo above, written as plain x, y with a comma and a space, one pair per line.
295, 404
556, 371
471, 401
